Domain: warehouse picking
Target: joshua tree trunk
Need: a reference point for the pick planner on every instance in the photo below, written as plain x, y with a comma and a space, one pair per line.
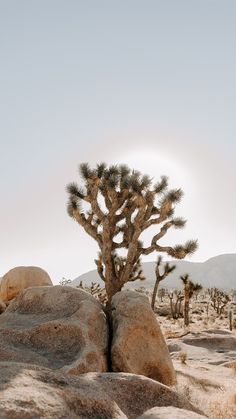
179, 307
154, 294
111, 289
230, 320
167, 269
186, 305
171, 306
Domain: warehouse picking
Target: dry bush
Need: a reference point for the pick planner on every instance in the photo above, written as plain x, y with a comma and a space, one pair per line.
207, 396
233, 366
223, 406
96, 291
183, 356
186, 392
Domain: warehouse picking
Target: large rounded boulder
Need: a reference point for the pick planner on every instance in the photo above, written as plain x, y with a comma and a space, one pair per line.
19, 278
60, 327
138, 345
31, 392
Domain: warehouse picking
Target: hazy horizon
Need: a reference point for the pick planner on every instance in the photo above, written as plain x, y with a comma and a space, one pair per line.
151, 84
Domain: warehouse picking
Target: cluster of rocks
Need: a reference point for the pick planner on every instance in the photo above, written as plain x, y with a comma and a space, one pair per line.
56, 354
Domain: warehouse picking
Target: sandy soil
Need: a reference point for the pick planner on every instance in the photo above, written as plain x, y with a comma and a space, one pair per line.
204, 356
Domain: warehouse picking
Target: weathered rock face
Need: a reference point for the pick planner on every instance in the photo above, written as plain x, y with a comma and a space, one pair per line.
138, 345
30, 392
163, 310
20, 278
170, 412
58, 327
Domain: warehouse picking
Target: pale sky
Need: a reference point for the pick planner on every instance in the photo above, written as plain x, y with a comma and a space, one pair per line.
150, 83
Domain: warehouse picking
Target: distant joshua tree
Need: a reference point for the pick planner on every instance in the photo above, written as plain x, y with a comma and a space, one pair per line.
176, 298
161, 293
121, 205
189, 289
219, 299
167, 269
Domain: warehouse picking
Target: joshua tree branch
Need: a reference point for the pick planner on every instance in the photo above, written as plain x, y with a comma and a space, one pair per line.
152, 221
154, 247
93, 196
133, 254
100, 267
88, 227
162, 232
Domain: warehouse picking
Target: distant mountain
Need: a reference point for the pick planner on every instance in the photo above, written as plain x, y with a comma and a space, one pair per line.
219, 271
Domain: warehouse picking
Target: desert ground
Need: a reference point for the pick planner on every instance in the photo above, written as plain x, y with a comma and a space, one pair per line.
204, 357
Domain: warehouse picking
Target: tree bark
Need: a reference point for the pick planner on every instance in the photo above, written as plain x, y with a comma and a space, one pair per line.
154, 293
186, 305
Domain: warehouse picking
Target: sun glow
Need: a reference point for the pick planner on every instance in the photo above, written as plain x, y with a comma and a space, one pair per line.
157, 164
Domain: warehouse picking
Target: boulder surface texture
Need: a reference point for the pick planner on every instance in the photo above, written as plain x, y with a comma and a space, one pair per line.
170, 412
138, 345
58, 327
17, 279
33, 392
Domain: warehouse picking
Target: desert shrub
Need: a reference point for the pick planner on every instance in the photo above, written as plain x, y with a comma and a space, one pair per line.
96, 291
223, 406
183, 356
65, 281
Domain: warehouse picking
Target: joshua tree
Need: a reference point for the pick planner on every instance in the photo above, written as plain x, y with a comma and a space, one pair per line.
161, 293
189, 289
175, 306
167, 269
122, 204
219, 299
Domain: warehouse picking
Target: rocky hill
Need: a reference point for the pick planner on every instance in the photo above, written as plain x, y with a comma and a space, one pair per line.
219, 271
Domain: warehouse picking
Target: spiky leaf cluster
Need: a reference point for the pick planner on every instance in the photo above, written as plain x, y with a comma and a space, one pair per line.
167, 268
191, 286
